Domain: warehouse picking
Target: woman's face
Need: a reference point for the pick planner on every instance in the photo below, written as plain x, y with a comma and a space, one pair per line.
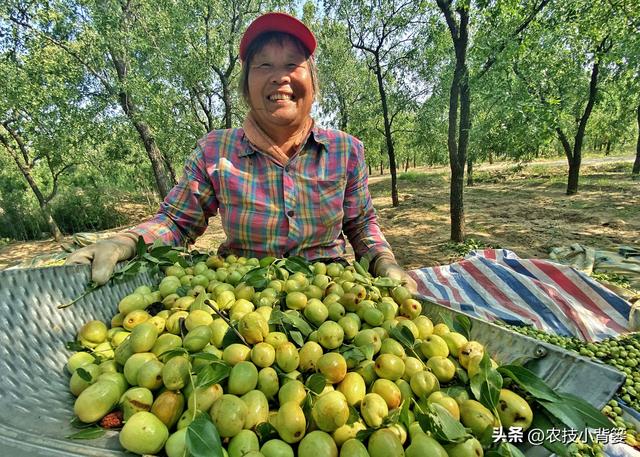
280, 88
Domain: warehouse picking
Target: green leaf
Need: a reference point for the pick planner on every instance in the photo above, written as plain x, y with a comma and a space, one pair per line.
542, 421
462, 325
182, 291
74, 346
161, 252
150, 258
530, 382
297, 264
356, 354
84, 374
266, 432
362, 266
447, 319
316, 383
171, 353
361, 279
385, 282
404, 414
486, 384
213, 374
462, 374
257, 278
276, 317
564, 414
403, 335
368, 350
141, 247
88, 433
296, 337
593, 417
205, 356
363, 435
297, 322
202, 438
576, 413
307, 405
354, 416
231, 337
509, 450
442, 425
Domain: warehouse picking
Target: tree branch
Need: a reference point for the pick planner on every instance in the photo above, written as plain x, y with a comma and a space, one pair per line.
445, 7
20, 142
68, 50
525, 23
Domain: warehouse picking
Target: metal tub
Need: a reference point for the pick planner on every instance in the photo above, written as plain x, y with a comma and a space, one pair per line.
36, 406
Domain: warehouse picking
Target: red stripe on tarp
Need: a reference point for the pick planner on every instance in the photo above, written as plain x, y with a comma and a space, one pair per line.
570, 287
422, 286
445, 282
496, 293
566, 307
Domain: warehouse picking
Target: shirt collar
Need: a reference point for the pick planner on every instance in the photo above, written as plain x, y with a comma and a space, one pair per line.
317, 135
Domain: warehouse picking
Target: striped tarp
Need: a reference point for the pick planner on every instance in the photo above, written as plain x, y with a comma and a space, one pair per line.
495, 284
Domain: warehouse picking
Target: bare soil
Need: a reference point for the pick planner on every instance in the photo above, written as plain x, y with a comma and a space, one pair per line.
518, 207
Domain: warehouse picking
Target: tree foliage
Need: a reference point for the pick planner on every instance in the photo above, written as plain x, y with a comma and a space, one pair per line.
111, 95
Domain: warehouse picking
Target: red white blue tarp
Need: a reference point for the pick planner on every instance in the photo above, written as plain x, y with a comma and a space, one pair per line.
495, 284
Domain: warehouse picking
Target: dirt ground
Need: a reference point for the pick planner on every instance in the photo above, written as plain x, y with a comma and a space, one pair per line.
519, 207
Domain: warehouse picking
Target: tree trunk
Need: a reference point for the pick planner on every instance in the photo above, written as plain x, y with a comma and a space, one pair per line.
370, 171
381, 167
458, 129
469, 172
491, 157
226, 99
406, 164
636, 163
162, 174
608, 148
42, 202
414, 160
387, 133
574, 177
576, 159
162, 169
344, 115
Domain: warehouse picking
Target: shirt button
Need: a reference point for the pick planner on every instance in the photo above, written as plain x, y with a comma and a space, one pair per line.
287, 169
290, 213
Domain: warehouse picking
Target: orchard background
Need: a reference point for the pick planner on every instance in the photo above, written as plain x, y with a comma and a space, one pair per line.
508, 123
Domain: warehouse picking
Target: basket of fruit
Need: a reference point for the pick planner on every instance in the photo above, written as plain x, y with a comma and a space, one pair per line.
189, 354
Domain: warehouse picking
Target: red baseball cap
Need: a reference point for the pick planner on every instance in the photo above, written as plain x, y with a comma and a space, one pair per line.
277, 22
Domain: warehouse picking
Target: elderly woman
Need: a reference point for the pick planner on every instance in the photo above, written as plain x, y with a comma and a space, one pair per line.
282, 185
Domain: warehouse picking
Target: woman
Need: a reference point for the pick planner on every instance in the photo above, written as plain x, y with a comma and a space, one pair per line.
282, 185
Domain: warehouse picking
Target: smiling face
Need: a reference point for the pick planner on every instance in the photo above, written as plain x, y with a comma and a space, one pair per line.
280, 87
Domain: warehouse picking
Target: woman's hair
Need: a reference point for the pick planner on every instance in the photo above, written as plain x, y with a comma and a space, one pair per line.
274, 37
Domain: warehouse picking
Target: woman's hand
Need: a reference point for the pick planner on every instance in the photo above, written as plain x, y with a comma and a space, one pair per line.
387, 266
104, 255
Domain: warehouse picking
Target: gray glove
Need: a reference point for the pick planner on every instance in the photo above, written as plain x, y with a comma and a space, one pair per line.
104, 255
634, 317
385, 265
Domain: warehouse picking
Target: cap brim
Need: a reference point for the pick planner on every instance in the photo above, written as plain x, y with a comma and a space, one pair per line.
277, 22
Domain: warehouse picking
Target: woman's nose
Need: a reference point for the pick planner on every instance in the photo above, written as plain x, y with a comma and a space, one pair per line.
281, 75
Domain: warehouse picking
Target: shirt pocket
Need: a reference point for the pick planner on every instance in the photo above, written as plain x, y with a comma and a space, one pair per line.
327, 200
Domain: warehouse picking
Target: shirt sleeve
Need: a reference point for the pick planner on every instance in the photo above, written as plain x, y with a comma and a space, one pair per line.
360, 223
183, 215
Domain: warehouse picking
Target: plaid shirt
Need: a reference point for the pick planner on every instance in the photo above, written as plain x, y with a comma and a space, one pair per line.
303, 208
